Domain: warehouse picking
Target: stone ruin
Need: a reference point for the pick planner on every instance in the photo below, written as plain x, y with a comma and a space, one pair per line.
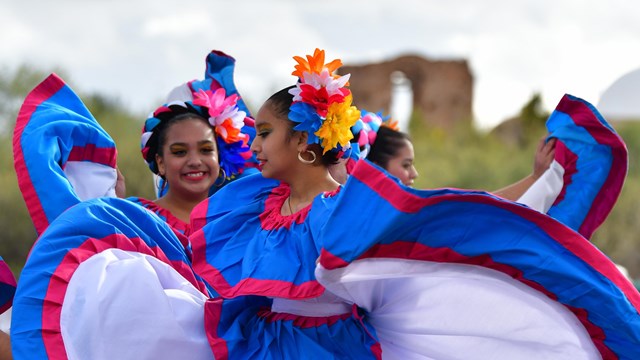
442, 89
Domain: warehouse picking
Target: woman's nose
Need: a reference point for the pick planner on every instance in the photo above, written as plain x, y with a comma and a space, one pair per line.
254, 145
194, 159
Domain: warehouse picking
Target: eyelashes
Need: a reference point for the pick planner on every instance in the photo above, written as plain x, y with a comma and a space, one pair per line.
204, 149
264, 133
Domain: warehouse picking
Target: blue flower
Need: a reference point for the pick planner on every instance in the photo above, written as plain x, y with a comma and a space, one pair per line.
232, 156
308, 120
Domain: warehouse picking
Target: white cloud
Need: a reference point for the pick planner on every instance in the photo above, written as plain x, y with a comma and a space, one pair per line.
181, 24
17, 35
139, 50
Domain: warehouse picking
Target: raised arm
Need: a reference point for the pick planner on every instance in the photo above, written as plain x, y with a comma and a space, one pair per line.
542, 160
5, 346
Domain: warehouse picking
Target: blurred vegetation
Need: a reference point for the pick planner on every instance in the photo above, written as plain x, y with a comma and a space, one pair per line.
463, 158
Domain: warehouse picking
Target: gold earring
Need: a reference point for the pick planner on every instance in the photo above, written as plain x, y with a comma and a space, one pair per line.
221, 175
308, 162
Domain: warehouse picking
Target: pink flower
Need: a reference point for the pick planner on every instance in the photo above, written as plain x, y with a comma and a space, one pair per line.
224, 114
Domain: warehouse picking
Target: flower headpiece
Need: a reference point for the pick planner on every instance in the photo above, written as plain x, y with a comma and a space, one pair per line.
222, 113
366, 130
322, 103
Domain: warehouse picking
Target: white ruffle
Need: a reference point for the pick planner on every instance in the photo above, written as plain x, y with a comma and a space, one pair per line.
126, 305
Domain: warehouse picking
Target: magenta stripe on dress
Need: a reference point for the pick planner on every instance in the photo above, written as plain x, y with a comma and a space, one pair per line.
49, 87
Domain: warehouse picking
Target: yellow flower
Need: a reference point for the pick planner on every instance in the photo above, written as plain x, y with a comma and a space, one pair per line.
336, 128
314, 64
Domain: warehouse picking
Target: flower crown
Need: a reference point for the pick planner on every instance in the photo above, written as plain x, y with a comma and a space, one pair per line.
223, 114
322, 103
366, 130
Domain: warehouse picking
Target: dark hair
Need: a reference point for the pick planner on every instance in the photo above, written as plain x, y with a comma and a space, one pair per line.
386, 146
159, 136
280, 103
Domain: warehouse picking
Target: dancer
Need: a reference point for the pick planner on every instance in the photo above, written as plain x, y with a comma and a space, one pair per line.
399, 257
402, 273
227, 147
381, 142
191, 146
393, 151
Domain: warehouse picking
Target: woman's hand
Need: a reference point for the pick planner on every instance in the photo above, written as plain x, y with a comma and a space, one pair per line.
544, 156
120, 185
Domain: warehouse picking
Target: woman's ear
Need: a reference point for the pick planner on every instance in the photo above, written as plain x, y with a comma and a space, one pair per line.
160, 164
302, 140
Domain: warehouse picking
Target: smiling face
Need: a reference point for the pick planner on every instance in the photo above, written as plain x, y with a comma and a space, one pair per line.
275, 145
189, 160
401, 164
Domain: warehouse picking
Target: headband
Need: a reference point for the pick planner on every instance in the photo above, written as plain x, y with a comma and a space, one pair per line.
366, 129
223, 115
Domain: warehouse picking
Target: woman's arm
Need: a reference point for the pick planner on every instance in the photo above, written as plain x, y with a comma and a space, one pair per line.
543, 158
5, 346
121, 191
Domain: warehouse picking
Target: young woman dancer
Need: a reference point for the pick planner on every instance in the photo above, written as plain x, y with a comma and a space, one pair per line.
197, 159
185, 145
308, 267
382, 143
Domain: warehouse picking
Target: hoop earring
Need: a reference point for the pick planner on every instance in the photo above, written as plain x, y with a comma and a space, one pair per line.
308, 162
224, 178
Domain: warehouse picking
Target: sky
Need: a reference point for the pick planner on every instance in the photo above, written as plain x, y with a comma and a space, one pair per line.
138, 50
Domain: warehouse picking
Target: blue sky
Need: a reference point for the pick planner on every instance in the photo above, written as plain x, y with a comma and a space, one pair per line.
139, 50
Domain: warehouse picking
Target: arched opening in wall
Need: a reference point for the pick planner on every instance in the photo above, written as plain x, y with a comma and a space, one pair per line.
401, 99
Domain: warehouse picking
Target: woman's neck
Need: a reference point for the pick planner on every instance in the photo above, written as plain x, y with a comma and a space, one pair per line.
307, 186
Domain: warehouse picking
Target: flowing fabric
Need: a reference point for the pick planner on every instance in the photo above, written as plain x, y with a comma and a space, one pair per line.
477, 236
61, 154
590, 165
384, 277
7, 286
179, 225
444, 274
115, 241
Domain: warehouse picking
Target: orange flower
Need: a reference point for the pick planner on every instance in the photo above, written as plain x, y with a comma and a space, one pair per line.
229, 132
392, 124
314, 64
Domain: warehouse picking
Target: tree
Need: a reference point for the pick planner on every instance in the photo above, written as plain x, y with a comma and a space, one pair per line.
533, 118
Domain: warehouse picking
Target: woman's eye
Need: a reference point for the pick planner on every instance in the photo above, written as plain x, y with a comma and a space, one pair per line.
179, 152
207, 150
263, 134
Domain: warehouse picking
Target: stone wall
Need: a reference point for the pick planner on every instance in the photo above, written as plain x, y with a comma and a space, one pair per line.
442, 90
